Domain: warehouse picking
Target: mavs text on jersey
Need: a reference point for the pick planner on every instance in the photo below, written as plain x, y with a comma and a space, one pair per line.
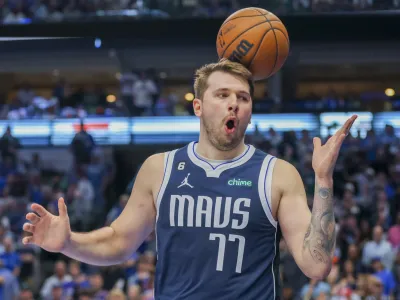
216, 236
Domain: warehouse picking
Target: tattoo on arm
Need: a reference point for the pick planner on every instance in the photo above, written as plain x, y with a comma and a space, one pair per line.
320, 237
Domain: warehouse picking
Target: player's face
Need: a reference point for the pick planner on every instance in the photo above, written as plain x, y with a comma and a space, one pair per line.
225, 110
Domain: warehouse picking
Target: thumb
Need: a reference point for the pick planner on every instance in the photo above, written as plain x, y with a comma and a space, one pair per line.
62, 208
316, 142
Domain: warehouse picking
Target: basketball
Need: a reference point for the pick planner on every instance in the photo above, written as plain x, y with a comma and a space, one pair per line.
255, 38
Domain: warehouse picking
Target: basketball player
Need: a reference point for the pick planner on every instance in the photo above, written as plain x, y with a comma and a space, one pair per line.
218, 206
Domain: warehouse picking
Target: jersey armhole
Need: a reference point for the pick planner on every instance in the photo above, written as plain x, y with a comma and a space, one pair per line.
168, 162
264, 187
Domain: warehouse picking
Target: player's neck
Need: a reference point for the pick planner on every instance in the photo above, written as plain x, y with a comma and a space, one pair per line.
206, 150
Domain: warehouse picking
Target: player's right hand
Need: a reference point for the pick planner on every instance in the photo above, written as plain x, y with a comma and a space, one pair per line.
48, 231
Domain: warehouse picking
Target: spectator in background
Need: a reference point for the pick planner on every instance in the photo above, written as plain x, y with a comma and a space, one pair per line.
143, 280
79, 280
7, 168
152, 75
117, 209
127, 81
54, 11
379, 247
82, 202
56, 293
4, 233
35, 166
293, 277
9, 287
35, 188
143, 91
348, 234
25, 294
10, 258
82, 146
100, 176
15, 14
353, 255
9, 146
25, 95
59, 278
29, 263
389, 137
274, 138
385, 276
374, 288
39, 9
116, 295
316, 289
96, 283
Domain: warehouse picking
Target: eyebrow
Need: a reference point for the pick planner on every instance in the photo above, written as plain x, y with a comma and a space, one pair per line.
226, 89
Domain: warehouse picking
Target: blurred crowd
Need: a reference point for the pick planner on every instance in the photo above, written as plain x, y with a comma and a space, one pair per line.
27, 11
366, 263
63, 101
143, 93
139, 95
27, 272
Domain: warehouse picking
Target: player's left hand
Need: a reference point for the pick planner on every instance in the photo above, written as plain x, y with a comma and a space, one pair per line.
325, 156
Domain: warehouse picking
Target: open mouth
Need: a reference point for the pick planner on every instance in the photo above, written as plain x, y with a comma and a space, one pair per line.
230, 126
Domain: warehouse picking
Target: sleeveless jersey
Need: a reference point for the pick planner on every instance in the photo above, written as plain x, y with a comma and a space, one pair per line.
216, 237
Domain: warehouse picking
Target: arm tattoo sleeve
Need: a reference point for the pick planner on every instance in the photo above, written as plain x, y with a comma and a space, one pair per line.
320, 237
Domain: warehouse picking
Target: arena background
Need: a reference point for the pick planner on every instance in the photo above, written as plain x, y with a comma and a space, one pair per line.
124, 71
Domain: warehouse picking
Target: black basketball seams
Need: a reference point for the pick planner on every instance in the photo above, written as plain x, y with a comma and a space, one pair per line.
227, 21
255, 25
276, 21
276, 45
258, 48
284, 34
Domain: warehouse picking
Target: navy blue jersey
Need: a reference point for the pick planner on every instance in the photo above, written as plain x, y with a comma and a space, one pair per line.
216, 237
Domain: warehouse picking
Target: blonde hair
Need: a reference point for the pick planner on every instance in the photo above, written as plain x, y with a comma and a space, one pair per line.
224, 65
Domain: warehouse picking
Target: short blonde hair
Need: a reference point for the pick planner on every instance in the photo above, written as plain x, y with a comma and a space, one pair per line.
224, 65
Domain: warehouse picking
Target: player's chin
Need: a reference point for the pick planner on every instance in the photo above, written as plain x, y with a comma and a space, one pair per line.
231, 140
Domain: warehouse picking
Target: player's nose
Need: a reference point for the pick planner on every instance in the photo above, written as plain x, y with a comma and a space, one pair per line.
233, 104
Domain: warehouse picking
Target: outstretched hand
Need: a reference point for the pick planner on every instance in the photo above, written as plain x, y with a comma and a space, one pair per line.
325, 156
48, 231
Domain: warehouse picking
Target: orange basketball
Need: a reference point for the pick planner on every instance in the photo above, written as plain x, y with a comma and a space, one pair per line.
256, 38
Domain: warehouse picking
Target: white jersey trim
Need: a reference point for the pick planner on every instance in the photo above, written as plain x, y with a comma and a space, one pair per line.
264, 187
216, 171
273, 263
168, 163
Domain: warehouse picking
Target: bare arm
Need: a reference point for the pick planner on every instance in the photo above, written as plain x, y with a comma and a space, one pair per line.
117, 242
319, 241
111, 244
309, 236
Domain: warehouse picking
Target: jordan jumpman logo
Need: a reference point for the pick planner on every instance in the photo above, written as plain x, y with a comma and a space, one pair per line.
186, 182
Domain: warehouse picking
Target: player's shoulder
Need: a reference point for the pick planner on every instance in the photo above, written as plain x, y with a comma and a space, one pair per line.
285, 175
155, 160
159, 160
284, 166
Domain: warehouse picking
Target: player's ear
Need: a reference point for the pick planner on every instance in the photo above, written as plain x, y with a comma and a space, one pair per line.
197, 107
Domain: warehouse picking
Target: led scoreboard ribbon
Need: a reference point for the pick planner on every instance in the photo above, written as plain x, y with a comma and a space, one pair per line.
180, 129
